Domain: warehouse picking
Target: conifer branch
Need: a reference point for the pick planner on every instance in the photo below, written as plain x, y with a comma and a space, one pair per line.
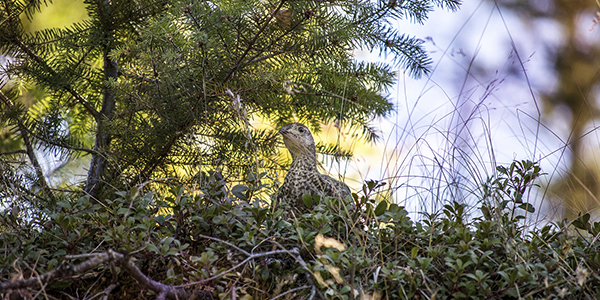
11, 15
251, 43
68, 147
29, 147
19, 43
13, 152
38, 137
88, 107
146, 173
258, 56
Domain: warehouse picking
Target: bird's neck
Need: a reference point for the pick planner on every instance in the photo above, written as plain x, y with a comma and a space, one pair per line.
304, 162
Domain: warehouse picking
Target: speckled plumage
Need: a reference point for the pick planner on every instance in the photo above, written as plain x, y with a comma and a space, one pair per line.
303, 177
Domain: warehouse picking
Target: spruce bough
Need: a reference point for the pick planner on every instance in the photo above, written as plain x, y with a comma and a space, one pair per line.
161, 89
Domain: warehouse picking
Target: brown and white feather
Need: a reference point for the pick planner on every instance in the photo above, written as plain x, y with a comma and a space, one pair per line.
303, 176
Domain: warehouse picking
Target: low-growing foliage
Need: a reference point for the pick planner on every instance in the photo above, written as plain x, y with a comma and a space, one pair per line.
237, 247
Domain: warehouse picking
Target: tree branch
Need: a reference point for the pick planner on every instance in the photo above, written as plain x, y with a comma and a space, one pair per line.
90, 109
249, 258
63, 271
99, 161
295, 253
30, 152
251, 43
96, 260
302, 263
292, 291
13, 152
164, 291
224, 242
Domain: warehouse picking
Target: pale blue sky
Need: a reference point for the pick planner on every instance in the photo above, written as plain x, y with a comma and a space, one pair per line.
429, 125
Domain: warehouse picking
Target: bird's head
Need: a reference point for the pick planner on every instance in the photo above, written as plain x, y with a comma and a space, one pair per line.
298, 140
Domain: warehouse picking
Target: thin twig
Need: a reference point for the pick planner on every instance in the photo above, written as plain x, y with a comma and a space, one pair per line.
84, 255
250, 257
292, 291
309, 273
63, 271
225, 242
107, 290
21, 151
251, 43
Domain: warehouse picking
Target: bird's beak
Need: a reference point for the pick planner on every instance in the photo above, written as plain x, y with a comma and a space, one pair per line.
283, 131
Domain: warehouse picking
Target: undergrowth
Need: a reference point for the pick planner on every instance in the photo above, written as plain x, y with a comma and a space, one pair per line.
237, 247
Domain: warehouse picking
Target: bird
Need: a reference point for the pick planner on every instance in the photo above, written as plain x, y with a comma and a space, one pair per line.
303, 177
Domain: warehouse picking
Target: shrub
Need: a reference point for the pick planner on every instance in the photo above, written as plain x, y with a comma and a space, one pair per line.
230, 245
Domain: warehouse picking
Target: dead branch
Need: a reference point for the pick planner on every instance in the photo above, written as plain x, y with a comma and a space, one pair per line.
295, 253
163, 291
95, 260
249, 258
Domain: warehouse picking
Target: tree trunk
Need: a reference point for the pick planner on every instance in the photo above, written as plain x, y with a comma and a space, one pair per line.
99, 161
98, 166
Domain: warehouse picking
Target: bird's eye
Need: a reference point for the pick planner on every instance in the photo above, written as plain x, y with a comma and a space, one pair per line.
301, 129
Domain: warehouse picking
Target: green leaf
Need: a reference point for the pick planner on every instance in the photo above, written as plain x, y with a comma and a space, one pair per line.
413, 252
308, 200
170, 273
380, 209
371, 184
64, 204
501, 169
486, 212
582, 222
316, 199
472, 276
240, 191
123, 211
528, 207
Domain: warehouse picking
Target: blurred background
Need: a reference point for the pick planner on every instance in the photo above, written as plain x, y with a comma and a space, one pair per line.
512, 79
